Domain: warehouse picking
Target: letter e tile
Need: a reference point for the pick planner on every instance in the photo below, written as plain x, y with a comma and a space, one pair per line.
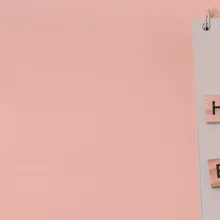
214, 172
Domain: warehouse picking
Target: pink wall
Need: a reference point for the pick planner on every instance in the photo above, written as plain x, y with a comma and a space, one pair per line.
97, 110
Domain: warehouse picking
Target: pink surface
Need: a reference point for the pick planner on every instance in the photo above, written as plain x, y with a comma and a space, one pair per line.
98, 110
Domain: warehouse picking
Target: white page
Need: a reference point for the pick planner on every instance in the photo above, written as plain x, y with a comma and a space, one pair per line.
206, 48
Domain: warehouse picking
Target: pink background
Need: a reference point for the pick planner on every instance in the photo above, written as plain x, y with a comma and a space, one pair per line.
98, 110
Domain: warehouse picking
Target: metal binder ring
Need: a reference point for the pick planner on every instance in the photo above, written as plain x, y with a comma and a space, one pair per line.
206, 25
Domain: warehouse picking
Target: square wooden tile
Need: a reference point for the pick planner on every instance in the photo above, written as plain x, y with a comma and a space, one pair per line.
214, 172
212, 108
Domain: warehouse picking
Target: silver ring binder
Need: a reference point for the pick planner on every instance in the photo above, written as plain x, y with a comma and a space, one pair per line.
206, 25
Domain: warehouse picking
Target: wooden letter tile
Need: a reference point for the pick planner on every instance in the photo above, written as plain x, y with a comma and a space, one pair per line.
214, 172
212, 108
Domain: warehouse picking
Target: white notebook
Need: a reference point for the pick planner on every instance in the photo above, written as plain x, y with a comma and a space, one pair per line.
206, 48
